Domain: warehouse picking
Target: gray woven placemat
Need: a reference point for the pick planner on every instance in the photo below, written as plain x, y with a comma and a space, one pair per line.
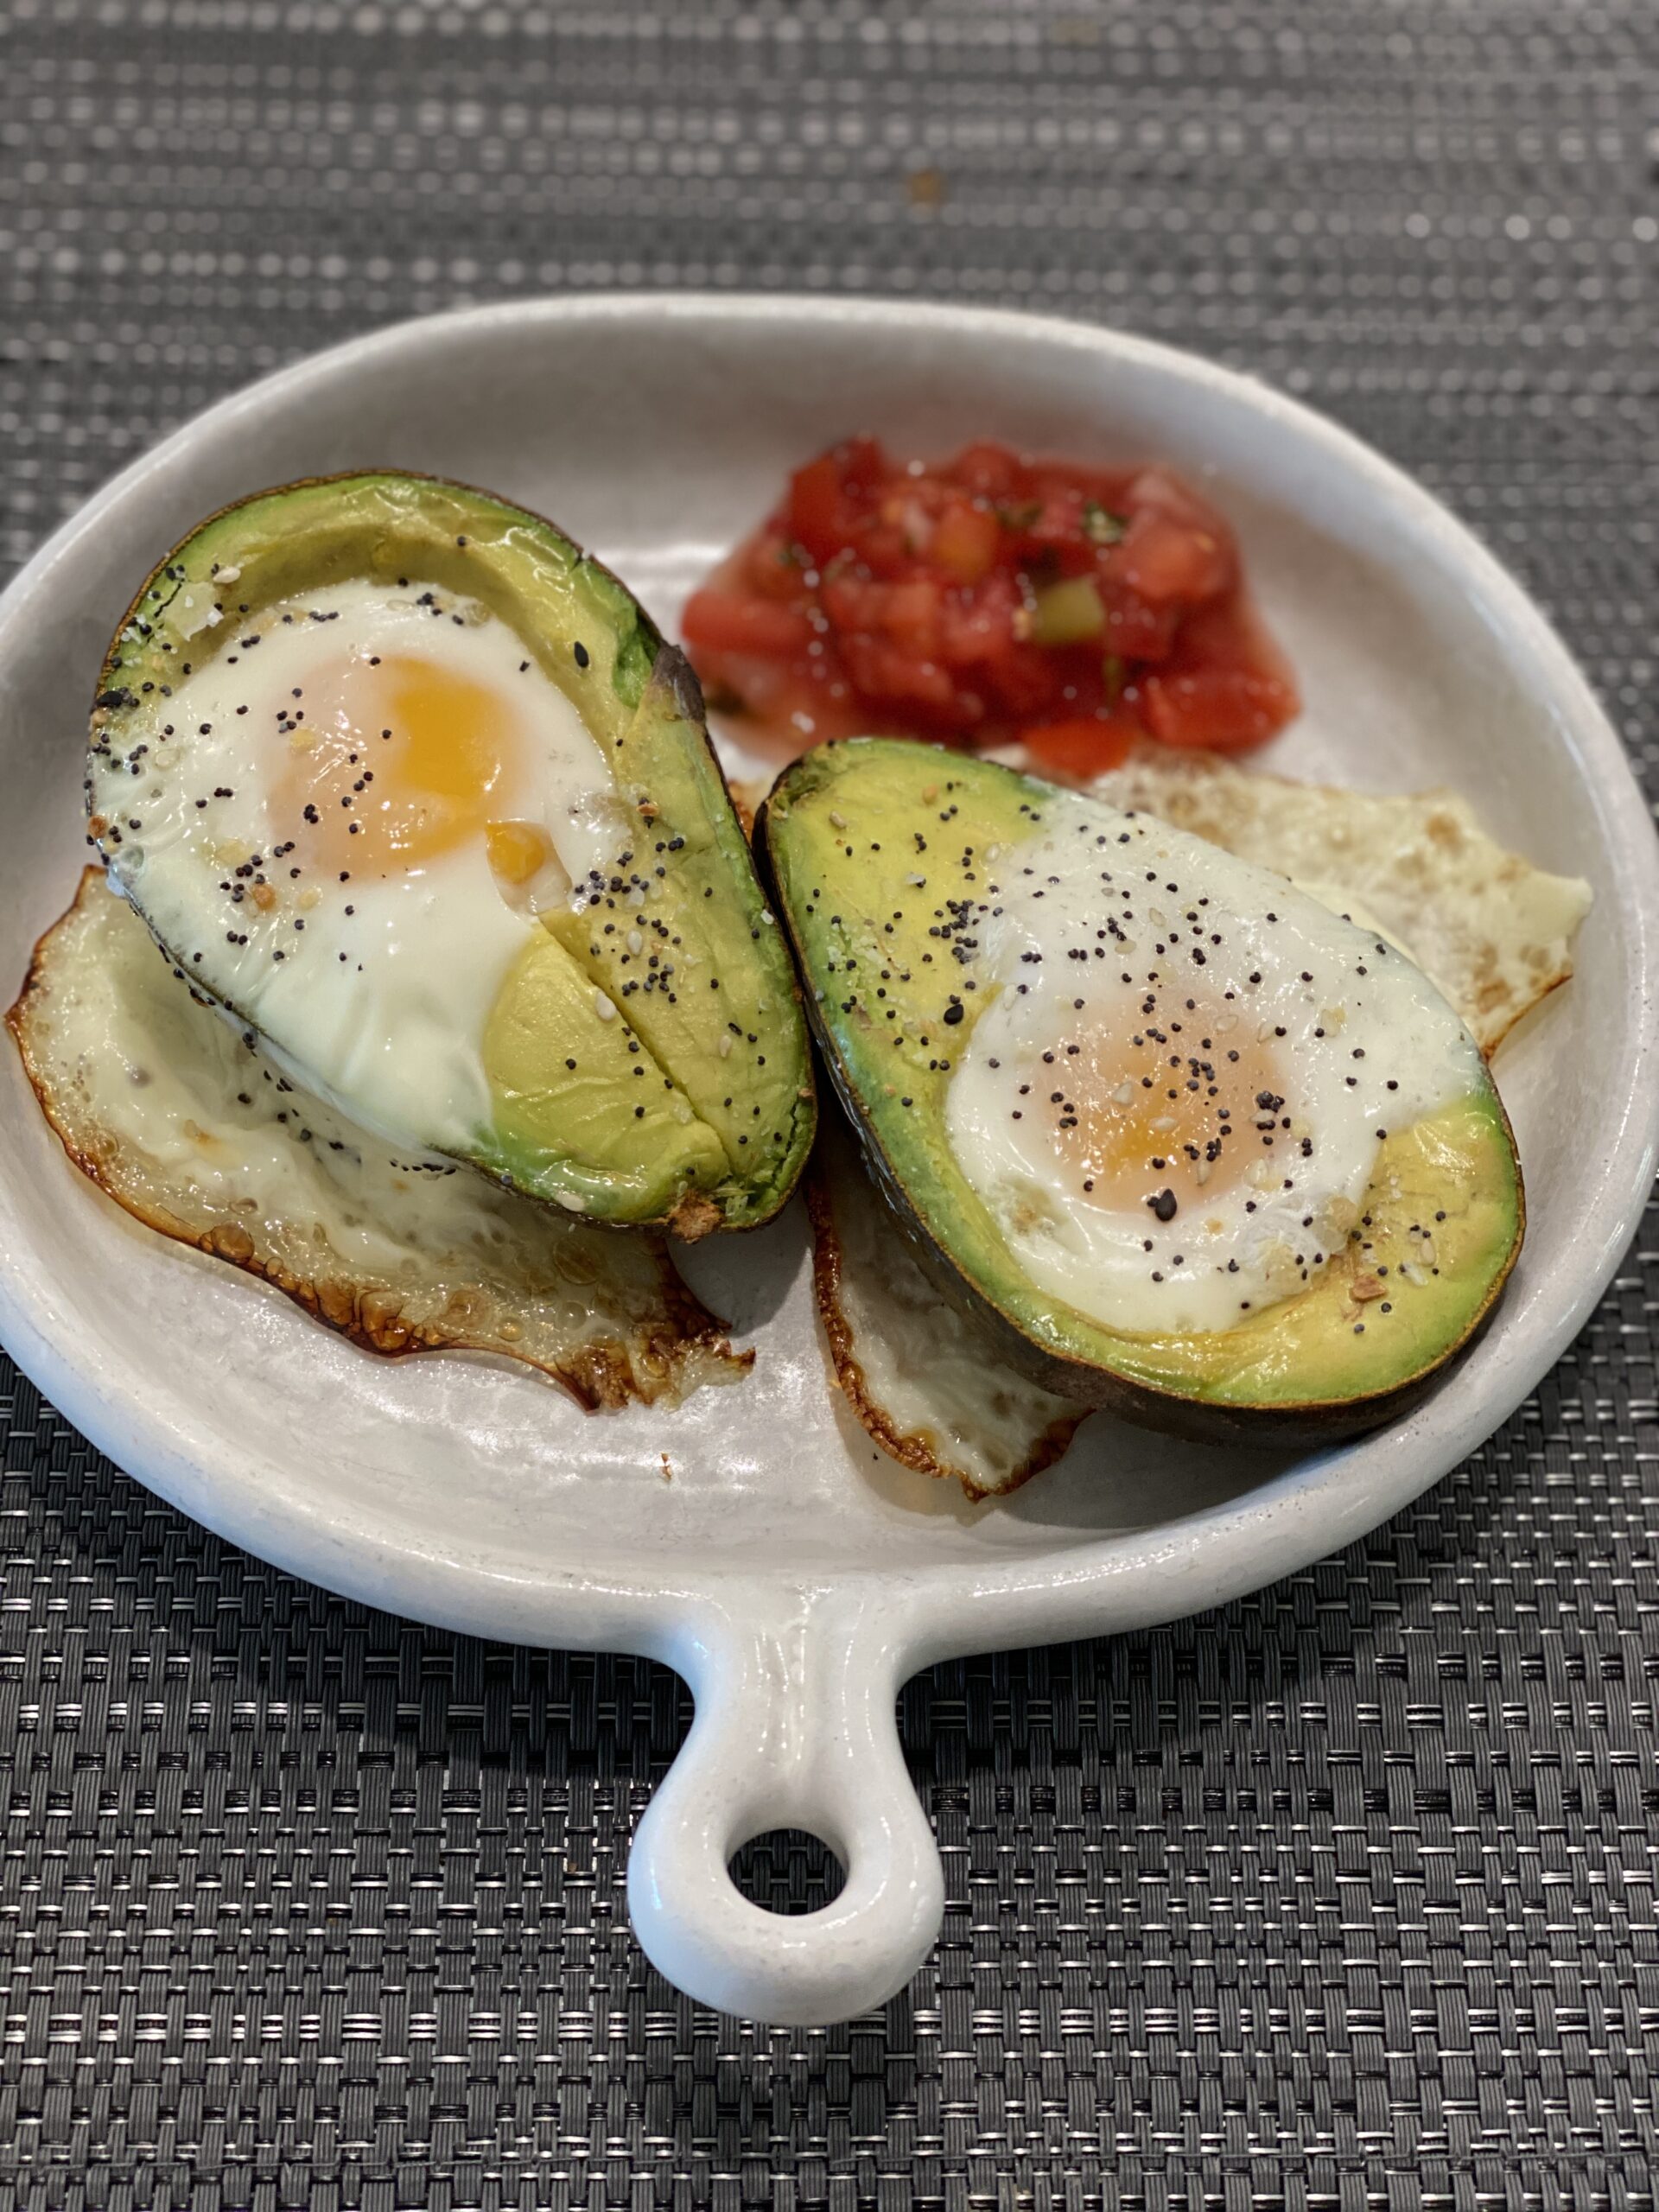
1343, 1896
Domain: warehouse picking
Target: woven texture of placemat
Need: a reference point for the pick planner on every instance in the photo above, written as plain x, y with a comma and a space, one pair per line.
1340, 1897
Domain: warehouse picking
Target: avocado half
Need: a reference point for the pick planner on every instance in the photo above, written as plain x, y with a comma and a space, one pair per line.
840, 837
724, 1148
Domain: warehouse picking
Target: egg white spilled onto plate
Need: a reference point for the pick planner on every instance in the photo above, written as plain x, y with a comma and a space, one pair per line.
198, 1136
928, 1385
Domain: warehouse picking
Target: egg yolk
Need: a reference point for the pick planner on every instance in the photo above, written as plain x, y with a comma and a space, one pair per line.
391, 763
519, 851
1185, 1103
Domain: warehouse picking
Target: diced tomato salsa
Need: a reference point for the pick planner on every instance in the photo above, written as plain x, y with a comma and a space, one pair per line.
989, 599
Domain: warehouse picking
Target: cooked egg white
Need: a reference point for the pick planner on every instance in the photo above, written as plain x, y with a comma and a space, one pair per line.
1174, 1103
362, 802
197, 1134
930, 1386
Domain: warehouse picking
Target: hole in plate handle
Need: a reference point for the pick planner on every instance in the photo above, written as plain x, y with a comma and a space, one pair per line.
788, 1871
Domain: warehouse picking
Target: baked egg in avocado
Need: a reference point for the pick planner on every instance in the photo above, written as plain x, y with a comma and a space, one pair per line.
1202, 1150
414, 789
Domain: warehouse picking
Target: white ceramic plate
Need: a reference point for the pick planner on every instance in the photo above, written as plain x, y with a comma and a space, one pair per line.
792, 1575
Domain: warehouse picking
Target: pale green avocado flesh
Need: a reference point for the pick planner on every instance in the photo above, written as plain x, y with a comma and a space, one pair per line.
840, 833
717, 1136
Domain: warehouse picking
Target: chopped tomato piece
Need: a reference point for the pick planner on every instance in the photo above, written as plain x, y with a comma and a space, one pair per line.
1026, 681
1224, 710
990, 470
1135, 630
1082, 748
965, 540
826, 498
911, 618
1228, 687
769, 567
727, 622
884, 671
1163, 561
979, 626
817, 517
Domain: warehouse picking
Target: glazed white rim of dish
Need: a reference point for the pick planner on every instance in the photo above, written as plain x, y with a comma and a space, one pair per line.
794, 1682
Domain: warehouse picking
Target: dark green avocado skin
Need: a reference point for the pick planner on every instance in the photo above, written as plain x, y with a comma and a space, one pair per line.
641, 701
1075, 1363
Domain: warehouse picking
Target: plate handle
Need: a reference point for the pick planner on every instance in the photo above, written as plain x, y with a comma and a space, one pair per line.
794, 1728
